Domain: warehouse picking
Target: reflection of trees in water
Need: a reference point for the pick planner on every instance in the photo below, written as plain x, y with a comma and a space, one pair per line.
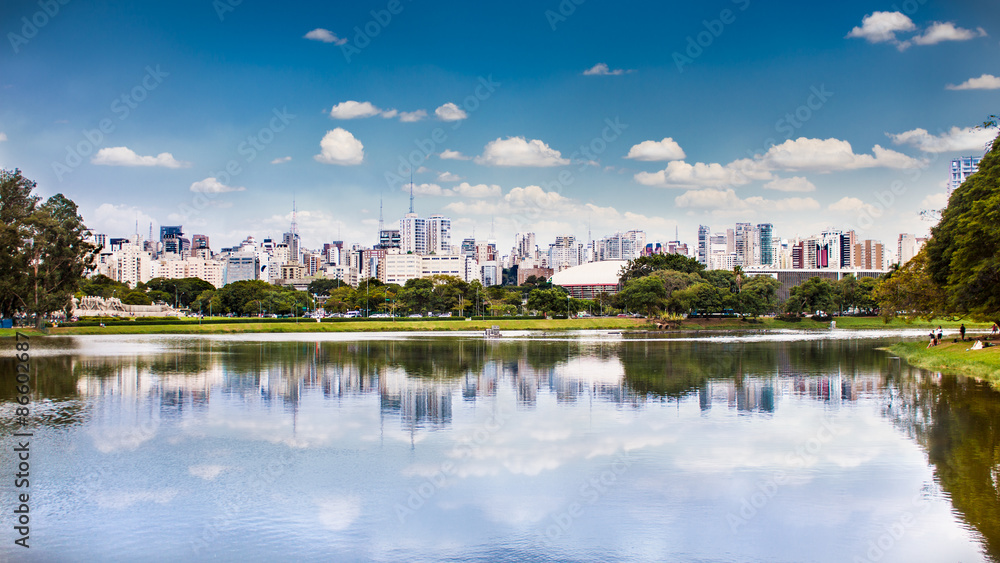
416, 378
957, 421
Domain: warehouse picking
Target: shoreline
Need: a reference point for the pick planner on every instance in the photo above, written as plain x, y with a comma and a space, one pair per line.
953, 358
591, 323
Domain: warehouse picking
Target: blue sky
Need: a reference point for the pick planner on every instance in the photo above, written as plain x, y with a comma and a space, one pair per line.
688, 113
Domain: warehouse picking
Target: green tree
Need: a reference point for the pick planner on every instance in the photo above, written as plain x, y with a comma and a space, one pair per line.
548, 301
963, 254
814, 294
59, 256
17, 204
759, 296
182, 291
646, 265
647, 294
911, 292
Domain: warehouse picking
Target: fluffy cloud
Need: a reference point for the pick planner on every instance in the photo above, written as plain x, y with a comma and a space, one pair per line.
340, 147
117, 220
680, 174
412, 116
602, 69
325, 35
955, 139
667, 149
453, 155
984, 82
124, 156
518, 151
213, 186
946, 31
462, 190
281, 160
853, 206
880, 27
935, 201
447, 177
450, 112
793, 184
727, 200
3, 136
827, 155
353, 110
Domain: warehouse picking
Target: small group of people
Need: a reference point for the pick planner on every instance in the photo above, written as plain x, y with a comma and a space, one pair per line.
936, 337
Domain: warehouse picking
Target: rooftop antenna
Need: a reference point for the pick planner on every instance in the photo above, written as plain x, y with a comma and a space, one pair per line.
381, 223
677, 231
492, 235
411, 191
294, 224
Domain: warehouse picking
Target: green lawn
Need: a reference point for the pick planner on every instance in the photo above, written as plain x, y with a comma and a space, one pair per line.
856, 323
953, 358
360, 326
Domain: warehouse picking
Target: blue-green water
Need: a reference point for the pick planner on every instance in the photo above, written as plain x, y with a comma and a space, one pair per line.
571, 447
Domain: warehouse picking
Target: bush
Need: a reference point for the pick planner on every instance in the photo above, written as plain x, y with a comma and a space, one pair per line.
788, 318
821, 318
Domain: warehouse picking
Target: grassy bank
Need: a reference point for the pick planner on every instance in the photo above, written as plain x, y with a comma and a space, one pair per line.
953, 358
359, 326
854, 323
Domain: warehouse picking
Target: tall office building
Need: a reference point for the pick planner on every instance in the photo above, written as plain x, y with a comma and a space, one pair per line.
765, 236
962, 168
704, 245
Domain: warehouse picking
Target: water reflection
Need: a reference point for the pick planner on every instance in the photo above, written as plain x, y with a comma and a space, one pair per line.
705, 421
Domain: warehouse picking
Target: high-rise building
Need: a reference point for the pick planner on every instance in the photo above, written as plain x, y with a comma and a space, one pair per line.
962, 168
869, 255
200, 247
908, 247
704, 244
765, 236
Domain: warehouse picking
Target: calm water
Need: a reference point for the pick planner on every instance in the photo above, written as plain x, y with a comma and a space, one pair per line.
581, 447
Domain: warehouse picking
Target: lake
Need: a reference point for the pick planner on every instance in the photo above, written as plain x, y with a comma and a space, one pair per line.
589, 446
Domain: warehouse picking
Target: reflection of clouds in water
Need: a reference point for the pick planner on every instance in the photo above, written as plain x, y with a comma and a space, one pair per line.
593, 370
121, 499
206, 472
338, 513
114, 439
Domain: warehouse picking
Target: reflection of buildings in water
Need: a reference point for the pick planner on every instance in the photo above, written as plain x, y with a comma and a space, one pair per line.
417, 402
129, 381
761, 394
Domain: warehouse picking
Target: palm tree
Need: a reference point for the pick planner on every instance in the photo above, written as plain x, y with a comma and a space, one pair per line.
738, 274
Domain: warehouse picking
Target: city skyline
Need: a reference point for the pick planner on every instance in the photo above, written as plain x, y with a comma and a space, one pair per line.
216, 116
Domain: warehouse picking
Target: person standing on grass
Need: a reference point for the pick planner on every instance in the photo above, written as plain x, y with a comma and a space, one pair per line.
996, 328
961, 330
940, 334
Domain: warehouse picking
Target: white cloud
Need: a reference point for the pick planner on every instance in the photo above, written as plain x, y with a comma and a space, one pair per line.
325, 35
727, 200
680, 174
3, 136
667, 149
450, 112
389, 113
602, 69
412, 116
339, 513
880, 27
984, 82
213, 186
448, 154
518, 151
447, 177
793, 184
946, 31
353, 110
340, 147
124, 156
935, 201
827, 155
853, 205
479, 190
955, 139
117, 220
281, 160
462, 190
206, 472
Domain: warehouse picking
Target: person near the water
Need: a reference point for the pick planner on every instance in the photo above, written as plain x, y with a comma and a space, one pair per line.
932, 342
961, 330
996, 328
940, 334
